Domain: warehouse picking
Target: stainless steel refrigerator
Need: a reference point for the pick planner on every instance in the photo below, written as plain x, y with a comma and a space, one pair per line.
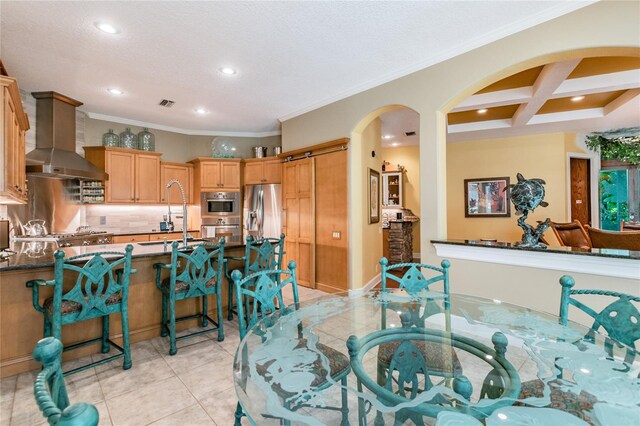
262, 211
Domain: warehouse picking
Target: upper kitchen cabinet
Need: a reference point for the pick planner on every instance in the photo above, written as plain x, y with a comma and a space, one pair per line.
183, 173
134, 176
260, 170
216, 174
13, 181
392, 189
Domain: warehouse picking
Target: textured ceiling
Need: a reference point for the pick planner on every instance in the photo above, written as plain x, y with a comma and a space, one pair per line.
291, 57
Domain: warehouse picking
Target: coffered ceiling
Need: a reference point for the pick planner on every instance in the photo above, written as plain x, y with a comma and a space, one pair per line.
590, 94
289, 56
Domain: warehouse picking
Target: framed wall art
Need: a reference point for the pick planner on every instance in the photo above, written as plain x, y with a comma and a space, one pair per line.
374, 196
487, 197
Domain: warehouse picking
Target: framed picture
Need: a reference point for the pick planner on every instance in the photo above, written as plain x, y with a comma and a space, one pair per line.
487, 197
374, 196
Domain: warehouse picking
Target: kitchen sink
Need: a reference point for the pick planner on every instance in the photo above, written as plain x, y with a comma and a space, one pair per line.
155, 243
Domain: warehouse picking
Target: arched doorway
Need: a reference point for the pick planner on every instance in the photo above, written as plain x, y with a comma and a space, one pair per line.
390, 134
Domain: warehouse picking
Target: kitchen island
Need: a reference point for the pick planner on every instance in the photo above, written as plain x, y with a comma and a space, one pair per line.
21, 325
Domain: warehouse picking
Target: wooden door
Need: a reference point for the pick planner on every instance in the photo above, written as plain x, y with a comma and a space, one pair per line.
230, 175
210, 175
273, 172
580, 190
120, 188
183, 174
147, 179
253, 173
299, 221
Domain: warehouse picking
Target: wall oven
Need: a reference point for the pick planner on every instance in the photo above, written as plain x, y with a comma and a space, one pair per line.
220, 204
217, 227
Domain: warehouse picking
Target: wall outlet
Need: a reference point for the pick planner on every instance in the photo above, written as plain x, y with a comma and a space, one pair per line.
336, 235
103, 220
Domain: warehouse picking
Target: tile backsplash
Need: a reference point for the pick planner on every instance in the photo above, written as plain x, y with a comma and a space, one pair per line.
120, 219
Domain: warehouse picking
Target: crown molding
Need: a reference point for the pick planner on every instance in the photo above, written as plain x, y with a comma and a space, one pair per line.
505, 31
189, 132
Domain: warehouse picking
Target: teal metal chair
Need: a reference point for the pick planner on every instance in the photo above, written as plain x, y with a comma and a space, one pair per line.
195, 271
620, 321
101, 288
441, 359
412, 375
260, 255
263, 292
51, 393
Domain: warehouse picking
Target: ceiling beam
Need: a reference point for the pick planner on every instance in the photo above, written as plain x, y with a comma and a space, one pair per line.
626, 97
495, 99
599, 83
550, 78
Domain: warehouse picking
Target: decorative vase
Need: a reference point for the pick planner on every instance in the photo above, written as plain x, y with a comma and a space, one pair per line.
146, 140
128, 139
110, 139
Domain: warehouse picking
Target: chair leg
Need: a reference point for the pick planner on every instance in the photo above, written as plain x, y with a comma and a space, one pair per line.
220, 319
126, 344
105, 334
381, 379
345, 403
47, 327
229, 300
163, 326
172, 326
205, 309
238, 415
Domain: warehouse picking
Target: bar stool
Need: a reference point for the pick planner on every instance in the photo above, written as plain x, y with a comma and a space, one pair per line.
262, 254
101, 288
196, 271
51, 392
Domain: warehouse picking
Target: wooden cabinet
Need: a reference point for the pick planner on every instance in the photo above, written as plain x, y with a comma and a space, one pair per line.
13, 128
124, 239
259, 170
182, 172
216, 174
299, 218
392, 189
134, 176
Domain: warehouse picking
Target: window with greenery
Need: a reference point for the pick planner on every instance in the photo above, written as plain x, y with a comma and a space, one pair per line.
619, 176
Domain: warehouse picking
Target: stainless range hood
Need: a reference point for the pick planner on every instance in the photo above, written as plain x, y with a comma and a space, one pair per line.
55, 154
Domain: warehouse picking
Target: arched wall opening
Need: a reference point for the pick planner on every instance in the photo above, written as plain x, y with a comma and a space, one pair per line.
566, 145
366, 238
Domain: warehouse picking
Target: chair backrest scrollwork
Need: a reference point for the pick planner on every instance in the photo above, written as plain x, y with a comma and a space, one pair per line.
202, 268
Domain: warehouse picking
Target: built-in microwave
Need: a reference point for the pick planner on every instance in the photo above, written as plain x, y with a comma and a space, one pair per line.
220, 204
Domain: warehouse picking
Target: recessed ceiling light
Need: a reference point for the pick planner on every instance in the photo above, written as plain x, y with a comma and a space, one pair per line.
106, 28
201, 111
482, 111
227, 71
395, 144
387, 137
115, 91
577, 98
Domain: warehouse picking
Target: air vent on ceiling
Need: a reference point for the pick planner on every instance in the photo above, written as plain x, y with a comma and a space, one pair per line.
409, 133
166, 103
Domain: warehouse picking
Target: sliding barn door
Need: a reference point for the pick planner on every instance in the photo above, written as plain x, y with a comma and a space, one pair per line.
299, 218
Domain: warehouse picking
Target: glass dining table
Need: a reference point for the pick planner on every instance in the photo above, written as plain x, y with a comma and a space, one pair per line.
498, 364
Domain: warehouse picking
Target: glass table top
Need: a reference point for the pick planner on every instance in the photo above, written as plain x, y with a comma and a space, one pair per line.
283, 367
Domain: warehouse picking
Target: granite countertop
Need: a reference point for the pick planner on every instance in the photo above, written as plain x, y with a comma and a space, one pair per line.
616, 253
34, 255
153, 231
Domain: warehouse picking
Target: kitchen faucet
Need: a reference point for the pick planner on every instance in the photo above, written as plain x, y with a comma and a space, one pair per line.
184, 208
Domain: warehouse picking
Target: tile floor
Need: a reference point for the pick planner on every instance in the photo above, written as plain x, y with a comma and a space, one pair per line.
194, 387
